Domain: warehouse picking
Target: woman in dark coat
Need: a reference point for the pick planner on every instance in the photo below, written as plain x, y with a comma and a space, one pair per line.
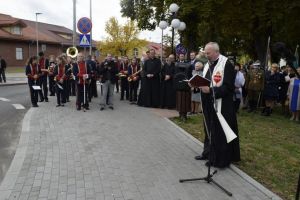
271, 93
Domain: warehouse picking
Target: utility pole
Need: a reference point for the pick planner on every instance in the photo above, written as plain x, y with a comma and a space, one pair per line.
74, 23
37, 33
91, 33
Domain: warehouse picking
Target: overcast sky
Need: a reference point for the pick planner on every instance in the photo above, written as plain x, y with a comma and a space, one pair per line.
60, 12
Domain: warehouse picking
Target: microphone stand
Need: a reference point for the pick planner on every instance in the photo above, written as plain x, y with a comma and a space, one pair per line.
209, 177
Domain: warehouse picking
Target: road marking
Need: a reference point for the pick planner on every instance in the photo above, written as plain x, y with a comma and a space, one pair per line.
18, 106
4, 99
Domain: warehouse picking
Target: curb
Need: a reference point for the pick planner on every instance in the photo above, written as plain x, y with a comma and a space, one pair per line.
232, 167
11, 84
11, 175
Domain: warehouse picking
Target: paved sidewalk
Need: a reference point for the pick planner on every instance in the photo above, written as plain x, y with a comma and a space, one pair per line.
130, 153
14, 79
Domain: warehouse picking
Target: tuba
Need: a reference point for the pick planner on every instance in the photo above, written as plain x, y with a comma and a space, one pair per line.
72, 52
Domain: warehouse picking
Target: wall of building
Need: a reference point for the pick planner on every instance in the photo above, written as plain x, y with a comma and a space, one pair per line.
8, 51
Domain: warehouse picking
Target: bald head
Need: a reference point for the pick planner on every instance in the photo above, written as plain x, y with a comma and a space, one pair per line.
212, 51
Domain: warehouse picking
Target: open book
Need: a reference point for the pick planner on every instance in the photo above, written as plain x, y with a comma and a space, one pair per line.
198, 81
36, 87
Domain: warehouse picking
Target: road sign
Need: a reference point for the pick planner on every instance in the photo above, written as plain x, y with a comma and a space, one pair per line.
84, 40
84, 25
180, 49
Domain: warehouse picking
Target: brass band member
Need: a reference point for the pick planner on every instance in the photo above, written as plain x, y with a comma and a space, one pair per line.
33, 73
123, 77
52, 64
72, 82
60, 78
81, 73
44, 64
133, 80
93, 86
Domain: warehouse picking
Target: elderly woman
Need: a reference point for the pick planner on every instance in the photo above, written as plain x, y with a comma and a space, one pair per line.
271, 93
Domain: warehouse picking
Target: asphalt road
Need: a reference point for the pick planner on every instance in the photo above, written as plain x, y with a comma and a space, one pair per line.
11, 122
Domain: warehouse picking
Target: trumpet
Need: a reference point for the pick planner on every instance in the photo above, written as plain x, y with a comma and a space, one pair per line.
122, 74
72, 52
132, 76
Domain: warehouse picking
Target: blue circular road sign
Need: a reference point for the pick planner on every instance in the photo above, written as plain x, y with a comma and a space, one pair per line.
84, 25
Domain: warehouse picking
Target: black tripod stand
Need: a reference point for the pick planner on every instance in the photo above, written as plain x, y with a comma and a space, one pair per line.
209, 177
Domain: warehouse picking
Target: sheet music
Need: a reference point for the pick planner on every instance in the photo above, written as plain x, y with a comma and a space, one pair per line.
36, 87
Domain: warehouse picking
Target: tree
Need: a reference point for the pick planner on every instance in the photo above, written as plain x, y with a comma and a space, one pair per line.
238, 26
121, 39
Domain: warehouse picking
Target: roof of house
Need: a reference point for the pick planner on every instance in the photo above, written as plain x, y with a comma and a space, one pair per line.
47, 33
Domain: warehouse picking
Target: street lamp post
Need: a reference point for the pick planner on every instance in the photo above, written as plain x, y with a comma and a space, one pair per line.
36, 32
162, 25
175, 22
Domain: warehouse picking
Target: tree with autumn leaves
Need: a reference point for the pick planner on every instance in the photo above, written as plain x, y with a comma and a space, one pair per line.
121, 39
240, 27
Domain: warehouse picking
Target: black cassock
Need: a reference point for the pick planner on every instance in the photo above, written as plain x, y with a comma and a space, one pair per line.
222, 153
168, 93
152, 85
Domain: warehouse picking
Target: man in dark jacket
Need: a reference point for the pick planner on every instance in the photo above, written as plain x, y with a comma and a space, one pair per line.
108, 74
2, 70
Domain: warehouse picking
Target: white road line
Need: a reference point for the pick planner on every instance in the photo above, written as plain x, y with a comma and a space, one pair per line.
18, 106
4, 99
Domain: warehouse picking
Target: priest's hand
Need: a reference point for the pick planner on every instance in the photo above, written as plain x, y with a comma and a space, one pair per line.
205, 89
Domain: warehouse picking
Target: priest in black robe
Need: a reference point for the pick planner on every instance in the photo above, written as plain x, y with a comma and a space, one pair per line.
152, 70
168, 93
221, 153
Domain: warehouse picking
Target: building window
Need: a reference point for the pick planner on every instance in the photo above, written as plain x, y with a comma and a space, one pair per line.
43, 47
16, 30
135, 52
19, 53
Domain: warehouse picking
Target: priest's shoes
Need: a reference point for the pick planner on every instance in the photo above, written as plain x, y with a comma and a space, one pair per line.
201, 157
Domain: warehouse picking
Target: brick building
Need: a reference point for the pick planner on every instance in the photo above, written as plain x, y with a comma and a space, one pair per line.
18, 39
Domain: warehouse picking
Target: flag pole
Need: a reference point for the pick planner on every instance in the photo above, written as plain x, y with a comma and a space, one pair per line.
268, 54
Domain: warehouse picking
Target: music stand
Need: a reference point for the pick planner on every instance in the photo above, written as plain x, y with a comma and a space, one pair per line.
199, 81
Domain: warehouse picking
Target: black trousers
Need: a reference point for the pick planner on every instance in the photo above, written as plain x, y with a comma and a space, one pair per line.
2, 75
72, 87
44, 88
80, 96
60, 93
51, 85
237, 103
124, 88
67, 89
117, 85
93, 89
33, 95
133, 87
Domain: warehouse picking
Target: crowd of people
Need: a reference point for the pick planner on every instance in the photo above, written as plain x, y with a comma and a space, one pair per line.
258, 86
149, 82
